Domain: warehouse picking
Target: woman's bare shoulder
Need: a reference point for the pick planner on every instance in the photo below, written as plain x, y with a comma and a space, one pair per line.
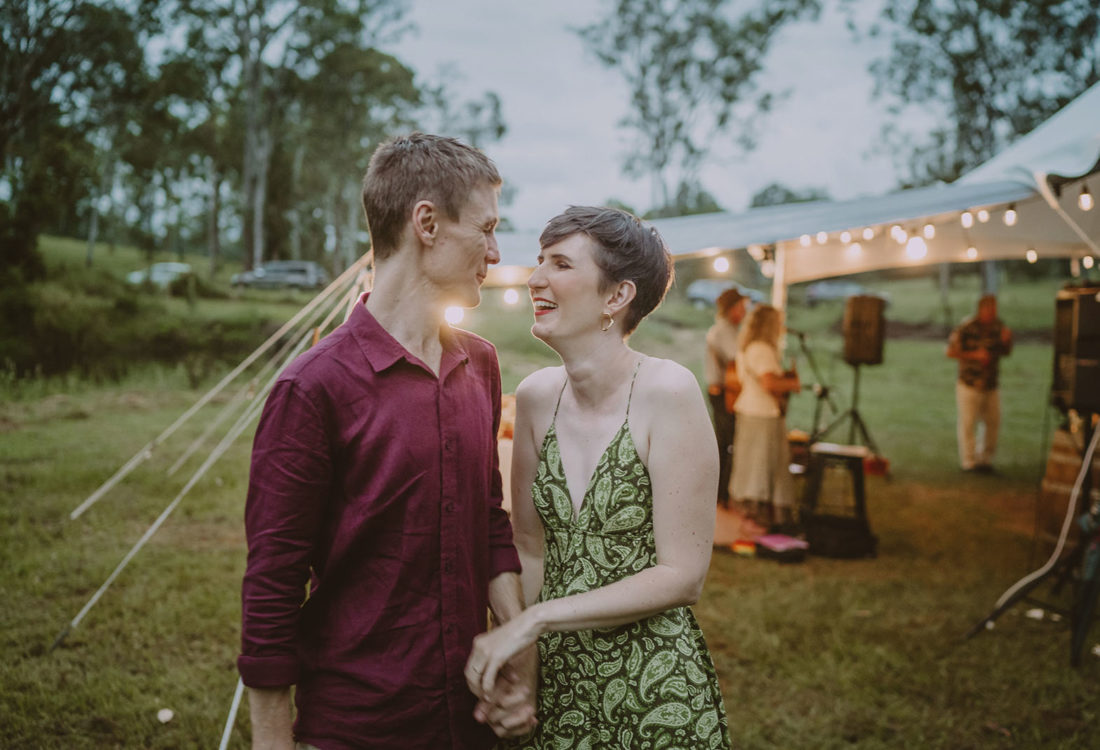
540, 385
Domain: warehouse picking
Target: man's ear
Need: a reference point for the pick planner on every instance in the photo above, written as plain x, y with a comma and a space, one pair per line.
425, 222
621, 295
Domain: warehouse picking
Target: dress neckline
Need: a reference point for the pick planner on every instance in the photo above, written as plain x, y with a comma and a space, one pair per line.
578, 509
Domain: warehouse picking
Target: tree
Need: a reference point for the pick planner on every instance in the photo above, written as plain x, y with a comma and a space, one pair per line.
690, 69
776, 194
56, 58
995, 68
273, 45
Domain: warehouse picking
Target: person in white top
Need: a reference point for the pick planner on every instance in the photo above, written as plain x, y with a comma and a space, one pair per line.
761, 471
721, 351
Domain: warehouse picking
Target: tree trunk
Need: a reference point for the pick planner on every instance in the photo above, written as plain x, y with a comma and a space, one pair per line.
990, 277
945, 299
213, 239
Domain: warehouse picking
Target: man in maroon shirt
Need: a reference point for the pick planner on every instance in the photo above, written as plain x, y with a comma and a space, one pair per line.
375, 479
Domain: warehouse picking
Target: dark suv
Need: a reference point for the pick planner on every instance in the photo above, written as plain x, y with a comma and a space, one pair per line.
277, 274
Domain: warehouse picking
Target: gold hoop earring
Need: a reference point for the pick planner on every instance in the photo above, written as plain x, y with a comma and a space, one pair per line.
610, 322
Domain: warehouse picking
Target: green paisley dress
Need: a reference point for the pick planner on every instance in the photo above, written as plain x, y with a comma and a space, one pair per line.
650, 684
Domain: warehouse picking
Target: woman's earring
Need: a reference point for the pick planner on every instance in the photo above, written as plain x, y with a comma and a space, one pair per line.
610, 322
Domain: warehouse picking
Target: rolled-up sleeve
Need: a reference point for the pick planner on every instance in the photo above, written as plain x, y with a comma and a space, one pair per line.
290, 474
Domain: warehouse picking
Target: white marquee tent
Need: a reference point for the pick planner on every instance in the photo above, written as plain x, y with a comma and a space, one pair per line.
1037, 182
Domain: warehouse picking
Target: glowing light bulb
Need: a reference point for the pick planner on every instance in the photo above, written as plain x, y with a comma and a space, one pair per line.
845, 237
721, 265
1084, 201
929, 231
868, 233
768, 269
1087, 261
756, 252
511, 296
1031, 255
822, 238
454, 315
967, 219
972, 252
915, 248
900, 235
1010, 215
855, 250
983, 215
805, 240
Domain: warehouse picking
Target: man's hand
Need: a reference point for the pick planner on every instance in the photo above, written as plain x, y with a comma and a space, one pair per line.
510, 709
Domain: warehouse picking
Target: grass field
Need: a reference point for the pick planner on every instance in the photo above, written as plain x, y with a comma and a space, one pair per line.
826, 654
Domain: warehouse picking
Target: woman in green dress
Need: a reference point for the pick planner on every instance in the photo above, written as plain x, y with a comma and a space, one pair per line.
614, 474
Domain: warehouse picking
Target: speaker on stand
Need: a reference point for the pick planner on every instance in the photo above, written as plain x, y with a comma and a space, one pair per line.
864, 330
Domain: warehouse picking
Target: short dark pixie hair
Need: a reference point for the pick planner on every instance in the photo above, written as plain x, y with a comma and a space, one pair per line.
415, 167
626, 249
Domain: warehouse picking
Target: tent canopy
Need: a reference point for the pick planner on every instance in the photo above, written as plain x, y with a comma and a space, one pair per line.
1039, 178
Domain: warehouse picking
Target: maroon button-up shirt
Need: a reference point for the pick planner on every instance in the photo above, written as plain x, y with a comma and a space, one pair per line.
383, 481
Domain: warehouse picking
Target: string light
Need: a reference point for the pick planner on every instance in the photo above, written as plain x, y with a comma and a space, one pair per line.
721, 265
511, 296
983, 215
454, 315
822, 238
804, 240
1010, 215
1087, 261
868, 233
967, 219
915, 248
899, 234
1031, 255
929, 231
756, 252
1084, 200
855, 250
845, 237
972, 252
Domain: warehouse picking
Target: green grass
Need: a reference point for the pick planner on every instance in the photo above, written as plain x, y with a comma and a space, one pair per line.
826, 654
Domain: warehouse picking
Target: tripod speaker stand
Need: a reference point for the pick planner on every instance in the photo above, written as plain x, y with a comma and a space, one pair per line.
864, 332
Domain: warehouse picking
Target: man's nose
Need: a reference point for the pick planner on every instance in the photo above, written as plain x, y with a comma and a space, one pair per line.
493, 255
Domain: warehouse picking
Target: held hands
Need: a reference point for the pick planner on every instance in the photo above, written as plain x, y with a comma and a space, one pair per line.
501, 672
510, 711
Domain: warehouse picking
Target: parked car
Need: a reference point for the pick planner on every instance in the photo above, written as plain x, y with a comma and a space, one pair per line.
278, 274
159, 274
825, 291
703, 292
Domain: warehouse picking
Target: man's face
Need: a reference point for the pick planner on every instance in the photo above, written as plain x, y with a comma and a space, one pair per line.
465, 248
736, 313
987, 311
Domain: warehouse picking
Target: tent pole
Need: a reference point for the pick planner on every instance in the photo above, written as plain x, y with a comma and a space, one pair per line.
779, 279
1043, 185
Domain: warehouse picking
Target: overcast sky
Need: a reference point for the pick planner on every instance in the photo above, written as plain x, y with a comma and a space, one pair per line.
562, 107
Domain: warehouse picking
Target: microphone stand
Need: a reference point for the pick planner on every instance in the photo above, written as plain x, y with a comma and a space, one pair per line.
822, 394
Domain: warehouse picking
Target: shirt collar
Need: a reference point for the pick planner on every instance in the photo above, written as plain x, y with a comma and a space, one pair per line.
383, 351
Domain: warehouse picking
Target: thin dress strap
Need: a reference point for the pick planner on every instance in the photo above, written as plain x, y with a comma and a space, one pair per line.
557, 406
637, 365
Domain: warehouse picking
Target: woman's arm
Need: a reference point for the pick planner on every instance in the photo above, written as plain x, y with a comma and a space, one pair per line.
683, 466
526, 526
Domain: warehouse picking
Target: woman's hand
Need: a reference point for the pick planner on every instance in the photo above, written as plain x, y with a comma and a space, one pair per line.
492, 650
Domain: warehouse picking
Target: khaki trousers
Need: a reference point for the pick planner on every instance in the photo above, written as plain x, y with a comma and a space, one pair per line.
977, 407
